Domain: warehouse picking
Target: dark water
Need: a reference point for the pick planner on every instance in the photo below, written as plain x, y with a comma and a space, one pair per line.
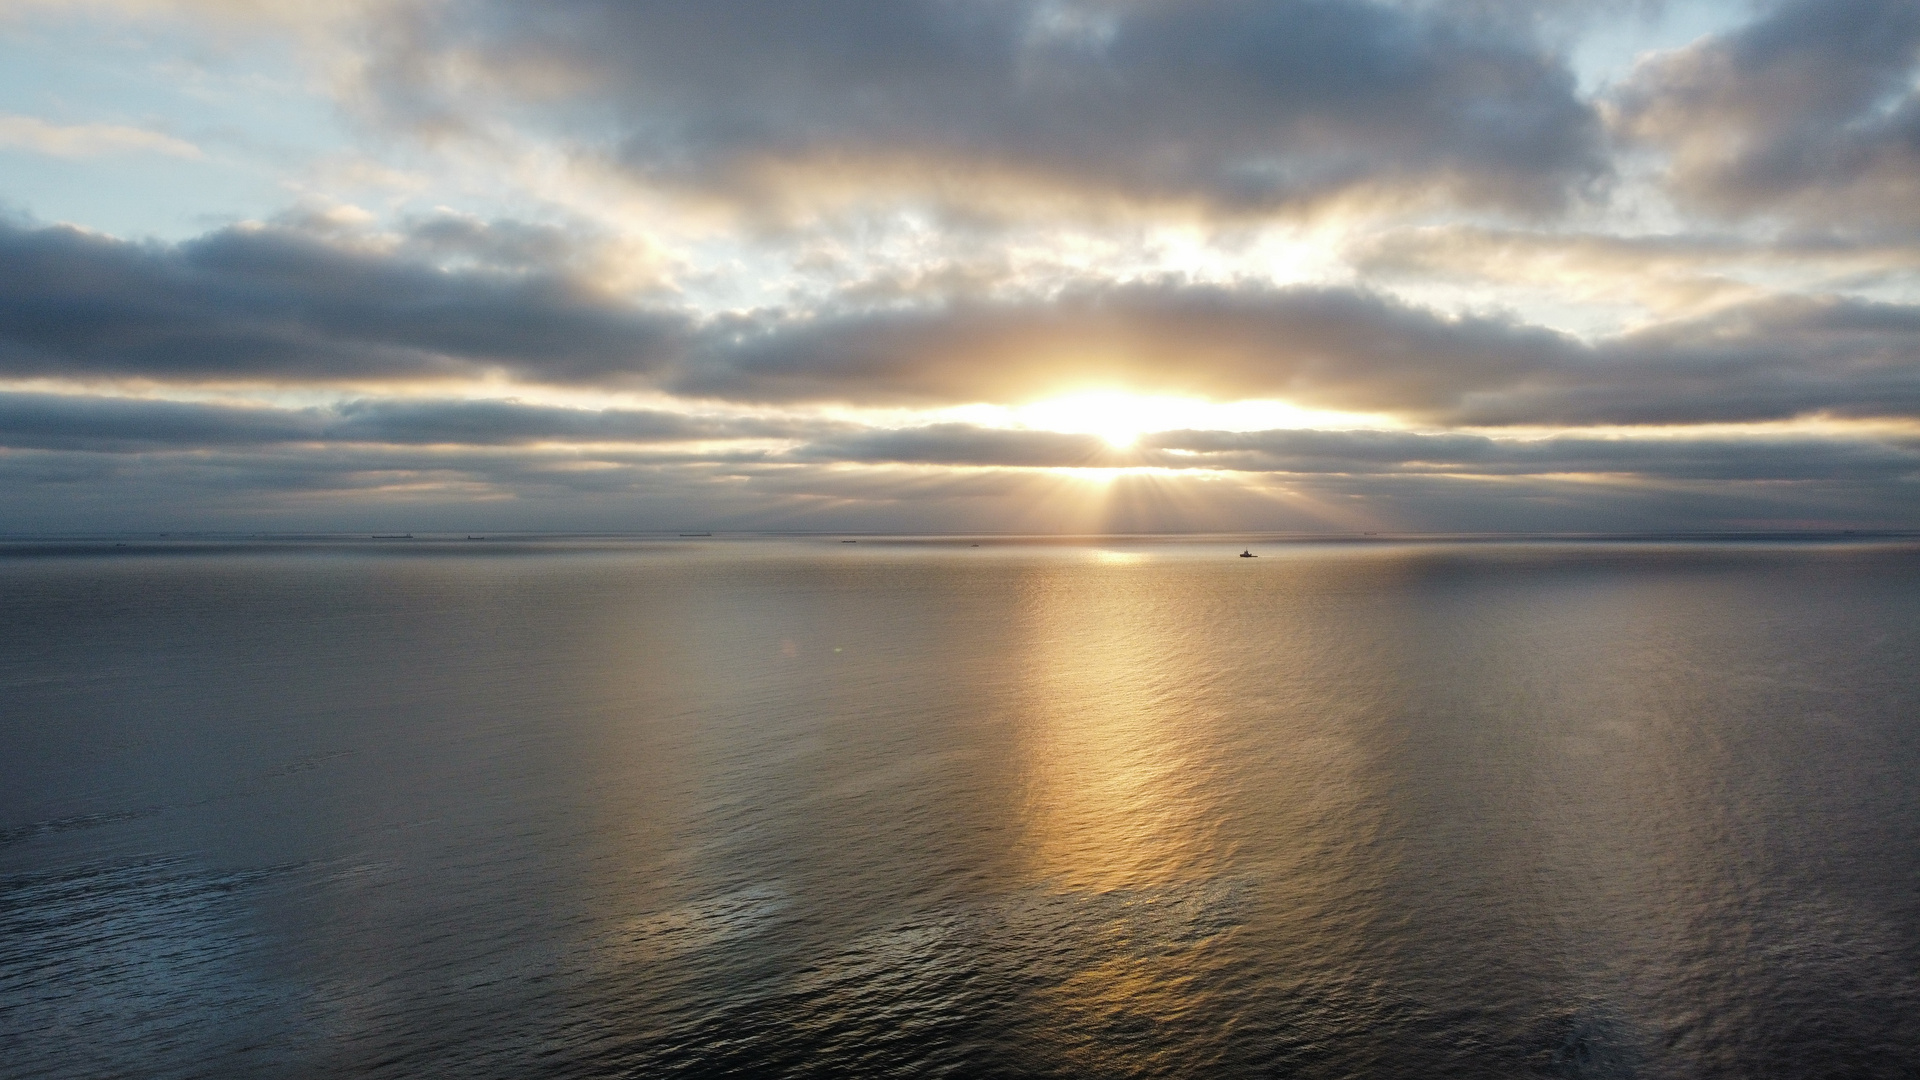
797, 807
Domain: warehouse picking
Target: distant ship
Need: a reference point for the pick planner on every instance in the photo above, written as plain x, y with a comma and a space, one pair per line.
1248, 554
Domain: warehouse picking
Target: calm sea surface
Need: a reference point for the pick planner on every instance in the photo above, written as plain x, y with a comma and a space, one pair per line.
798, 807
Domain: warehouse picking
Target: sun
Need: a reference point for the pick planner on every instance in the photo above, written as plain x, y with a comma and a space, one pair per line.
1119, 418
1122, 418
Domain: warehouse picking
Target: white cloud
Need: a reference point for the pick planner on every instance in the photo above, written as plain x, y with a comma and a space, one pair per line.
88, 140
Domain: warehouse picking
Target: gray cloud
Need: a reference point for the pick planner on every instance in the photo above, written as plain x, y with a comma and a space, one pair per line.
110, 424
1769, 359
1331, 346
1750, 458
1237, 104
1339, 348
280, 306
503, 422
1370, 452
1307, 480
1811, 110
403, 435
69, 422
271, 303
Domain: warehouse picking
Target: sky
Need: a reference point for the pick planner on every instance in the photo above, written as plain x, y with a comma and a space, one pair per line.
959, 266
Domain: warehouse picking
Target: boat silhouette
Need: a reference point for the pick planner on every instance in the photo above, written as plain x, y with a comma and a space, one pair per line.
1248, 554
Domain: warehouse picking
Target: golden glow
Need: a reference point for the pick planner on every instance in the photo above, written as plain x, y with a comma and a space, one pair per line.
1118, 418
1112, 794
1121, 418
1133, 815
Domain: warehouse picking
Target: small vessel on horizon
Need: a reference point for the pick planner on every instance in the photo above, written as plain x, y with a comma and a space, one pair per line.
1247, 553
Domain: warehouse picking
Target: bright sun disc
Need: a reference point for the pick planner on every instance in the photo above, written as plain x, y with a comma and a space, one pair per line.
1122, 418
1118, 418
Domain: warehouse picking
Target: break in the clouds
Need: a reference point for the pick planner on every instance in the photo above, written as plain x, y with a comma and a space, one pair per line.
961, 264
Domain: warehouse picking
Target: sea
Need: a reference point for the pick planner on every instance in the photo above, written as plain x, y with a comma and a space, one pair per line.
969, 807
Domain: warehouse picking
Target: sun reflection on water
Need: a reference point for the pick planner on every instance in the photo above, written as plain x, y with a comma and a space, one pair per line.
1111, 798
1154, 688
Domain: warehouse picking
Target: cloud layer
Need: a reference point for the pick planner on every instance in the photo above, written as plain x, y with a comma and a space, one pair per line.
1811, 111
494, 464
796, 265
1233, 104
272, 305
265, 303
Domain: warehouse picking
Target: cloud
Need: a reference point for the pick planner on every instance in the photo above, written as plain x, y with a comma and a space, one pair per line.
114, 424
1668, 276
69, 422
1342, 349
495, 423
1774, 358
386, 429
279, 306
1810, 111
108, 463
290, 305
1370, 452
1234, 105
1333, 347
259, 303
87, 140
391, 430
1745, 458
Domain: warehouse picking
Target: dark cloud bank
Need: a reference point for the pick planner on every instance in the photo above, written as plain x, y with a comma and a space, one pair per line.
116, 425
1808, 112
277, 306
294, 466
283, 305
1235, 104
